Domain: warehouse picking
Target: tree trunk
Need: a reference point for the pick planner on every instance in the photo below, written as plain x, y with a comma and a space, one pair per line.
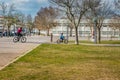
76, 36
71, 32
114, 33
39, 32
14, 31
8, 33
119, 33
48, 32
99, 35
30, 31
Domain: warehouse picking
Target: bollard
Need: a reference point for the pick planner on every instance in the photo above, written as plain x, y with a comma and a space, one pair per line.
51, 37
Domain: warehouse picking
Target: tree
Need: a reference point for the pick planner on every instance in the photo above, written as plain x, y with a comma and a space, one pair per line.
38, 24
117, 4
74, 9
45, 18
8, 14
11, 19
71, 29
3, 8
117, 8
29, 23
3, 12
100, 10
21, 18
114, 23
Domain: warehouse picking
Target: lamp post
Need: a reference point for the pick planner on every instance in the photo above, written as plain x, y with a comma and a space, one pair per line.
95, 30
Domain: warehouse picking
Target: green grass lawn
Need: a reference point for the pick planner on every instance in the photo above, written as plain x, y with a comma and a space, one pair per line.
111, 42
102, 42
66, 62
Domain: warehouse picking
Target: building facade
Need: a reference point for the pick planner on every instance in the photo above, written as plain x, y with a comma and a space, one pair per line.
84, 29
1, 24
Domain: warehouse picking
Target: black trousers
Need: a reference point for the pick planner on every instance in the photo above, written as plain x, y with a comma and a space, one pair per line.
19, 34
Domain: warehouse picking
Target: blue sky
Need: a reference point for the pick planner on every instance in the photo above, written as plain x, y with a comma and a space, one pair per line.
27, 6
30, 6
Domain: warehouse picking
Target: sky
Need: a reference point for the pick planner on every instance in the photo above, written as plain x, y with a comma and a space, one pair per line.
30, 6
27, 6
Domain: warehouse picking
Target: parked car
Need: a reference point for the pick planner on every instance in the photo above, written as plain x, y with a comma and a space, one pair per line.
1, 34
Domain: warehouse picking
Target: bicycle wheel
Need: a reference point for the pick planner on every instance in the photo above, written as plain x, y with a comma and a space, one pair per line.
65, 41
58, 41
23, 39
15, 39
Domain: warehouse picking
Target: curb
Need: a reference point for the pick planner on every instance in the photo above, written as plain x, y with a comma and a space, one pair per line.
18, 57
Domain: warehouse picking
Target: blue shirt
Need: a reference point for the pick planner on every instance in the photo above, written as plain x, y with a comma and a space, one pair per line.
62, 37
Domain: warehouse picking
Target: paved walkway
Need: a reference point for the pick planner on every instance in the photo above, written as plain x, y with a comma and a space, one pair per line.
10, 51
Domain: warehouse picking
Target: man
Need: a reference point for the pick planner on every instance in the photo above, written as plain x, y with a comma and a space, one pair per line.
19, 31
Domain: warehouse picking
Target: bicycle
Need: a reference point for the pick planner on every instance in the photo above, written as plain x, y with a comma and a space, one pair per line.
62, 41
19, 38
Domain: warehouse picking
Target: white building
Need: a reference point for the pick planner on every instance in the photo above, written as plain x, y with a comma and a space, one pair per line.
84, 29
1, 23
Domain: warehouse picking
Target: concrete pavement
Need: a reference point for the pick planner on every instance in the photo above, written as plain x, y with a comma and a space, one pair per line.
10, 50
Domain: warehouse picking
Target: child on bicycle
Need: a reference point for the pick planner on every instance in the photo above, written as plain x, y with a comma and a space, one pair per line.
62, 37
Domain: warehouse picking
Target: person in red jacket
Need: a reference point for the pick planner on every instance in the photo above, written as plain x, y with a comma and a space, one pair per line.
19, 31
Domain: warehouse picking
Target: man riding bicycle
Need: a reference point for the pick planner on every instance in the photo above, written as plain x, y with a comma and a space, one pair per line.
19, 32
19, 36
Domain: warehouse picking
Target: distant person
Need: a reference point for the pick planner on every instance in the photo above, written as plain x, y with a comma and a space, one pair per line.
5, 33
19, 31
62, 37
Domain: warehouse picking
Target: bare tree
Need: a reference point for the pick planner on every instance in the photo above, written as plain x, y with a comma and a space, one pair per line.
8, 12
114, 23
45, 18
90, 23
117, 8
117, 4
30, 23
21, 18
71, 29
38, 24
74, 9
11, 16
3, 12
11, 20
100, 10
3, 8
